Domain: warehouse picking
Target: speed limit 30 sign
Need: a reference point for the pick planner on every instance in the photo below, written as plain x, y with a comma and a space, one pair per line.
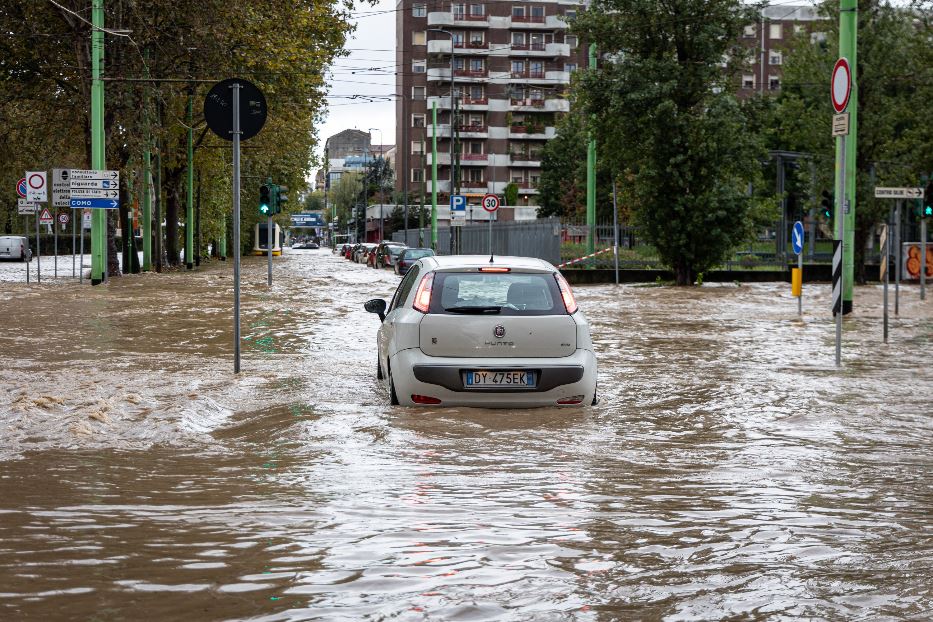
490, 202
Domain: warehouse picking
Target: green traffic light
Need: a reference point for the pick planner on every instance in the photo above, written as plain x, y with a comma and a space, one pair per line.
928, 211
264, 209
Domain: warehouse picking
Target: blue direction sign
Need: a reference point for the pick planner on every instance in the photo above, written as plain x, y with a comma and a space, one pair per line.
94, 203
458, 203
797, 237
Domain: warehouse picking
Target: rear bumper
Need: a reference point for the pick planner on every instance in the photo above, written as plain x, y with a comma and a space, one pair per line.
558, 378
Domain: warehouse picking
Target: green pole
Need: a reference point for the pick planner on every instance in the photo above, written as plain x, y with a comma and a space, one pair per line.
147, 180
848, 39
591, 179
98, 216
189, 212
222, 243
434, 176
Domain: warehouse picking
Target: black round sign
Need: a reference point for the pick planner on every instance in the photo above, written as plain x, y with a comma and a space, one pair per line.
218, 109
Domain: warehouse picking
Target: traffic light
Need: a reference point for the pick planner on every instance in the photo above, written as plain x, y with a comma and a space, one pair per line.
265, 200
281, 196
826, 205
927, 207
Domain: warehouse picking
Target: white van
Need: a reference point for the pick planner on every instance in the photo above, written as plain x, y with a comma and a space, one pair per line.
15, 247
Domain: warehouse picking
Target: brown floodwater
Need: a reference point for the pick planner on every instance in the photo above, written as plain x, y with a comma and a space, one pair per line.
729, 470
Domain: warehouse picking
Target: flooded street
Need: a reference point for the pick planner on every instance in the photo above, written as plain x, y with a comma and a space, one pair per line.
729, 470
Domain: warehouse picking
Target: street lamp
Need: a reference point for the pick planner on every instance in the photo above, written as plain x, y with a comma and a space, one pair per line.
380, 180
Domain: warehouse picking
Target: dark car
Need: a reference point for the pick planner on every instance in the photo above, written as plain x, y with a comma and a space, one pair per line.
408, 257
351, 251
386, 254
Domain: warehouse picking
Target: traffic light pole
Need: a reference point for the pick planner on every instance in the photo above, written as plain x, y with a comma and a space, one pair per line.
269, 226
923, 256
189, 211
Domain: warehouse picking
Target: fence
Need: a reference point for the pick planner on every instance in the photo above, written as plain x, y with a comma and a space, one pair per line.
535, 238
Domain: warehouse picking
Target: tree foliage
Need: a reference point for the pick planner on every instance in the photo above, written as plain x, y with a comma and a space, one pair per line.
894, 74
668, 125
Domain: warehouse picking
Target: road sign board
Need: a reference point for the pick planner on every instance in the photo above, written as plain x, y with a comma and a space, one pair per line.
841, 124
797, 237
79, 174
490, 202
45, 218
218, 109
898, 193
94, 193
841, 85
86, 219
64, 218
94, 203
21, 188
457, 222
26, 207
95, 184
36, 186
61, 187
458, 205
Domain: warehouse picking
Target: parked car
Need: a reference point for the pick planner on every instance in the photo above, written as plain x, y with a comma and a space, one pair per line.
407, 257
371, 256
361, 253
467, 331
15, 247
352, 251
386, 254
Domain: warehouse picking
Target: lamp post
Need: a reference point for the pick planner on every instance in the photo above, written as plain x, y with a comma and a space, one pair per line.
381, 184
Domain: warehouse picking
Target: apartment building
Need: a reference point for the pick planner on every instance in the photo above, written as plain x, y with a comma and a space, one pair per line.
508, 65
769, 43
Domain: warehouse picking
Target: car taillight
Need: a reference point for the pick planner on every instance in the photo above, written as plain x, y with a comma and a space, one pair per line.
569, 303
573, 399
424, 399
423, 295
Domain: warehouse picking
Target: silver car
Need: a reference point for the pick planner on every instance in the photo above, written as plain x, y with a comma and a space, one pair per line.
468, 331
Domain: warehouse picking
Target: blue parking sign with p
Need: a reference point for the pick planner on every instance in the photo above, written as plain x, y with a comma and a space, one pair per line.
458, 203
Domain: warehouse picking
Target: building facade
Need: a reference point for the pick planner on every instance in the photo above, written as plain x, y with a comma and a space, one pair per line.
508, 66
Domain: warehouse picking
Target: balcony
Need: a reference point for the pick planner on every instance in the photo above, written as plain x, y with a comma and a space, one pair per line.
528, 22
529, 159
474, 103
473, 131
526, 187
471, 73
443, 158
465, 20
532, 132
436, 74
474, 158
553, 104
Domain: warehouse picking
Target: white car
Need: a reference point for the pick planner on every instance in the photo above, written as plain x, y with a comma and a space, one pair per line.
480, 331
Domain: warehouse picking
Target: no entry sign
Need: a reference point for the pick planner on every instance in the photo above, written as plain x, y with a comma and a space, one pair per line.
841, 85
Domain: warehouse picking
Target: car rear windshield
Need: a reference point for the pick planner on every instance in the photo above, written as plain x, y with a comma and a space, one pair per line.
410, 254
395, 250
512, 293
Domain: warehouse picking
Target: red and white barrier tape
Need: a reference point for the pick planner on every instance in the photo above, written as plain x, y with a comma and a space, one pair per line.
585, 257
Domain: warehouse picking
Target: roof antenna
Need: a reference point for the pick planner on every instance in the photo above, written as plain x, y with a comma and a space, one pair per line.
490, 257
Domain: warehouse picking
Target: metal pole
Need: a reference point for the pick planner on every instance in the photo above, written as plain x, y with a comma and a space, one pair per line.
897, 255
74, 241
434, 176
780, 253
236, 227
800, 297
81, 267
840, 219
886, 249
98, 217
26, 231
147, 180
55, 244
38, 250
848, 48
615, 228
591, 178
269, 226
189, 211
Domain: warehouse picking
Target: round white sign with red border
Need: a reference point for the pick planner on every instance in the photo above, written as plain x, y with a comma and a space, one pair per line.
841, 86
490, 202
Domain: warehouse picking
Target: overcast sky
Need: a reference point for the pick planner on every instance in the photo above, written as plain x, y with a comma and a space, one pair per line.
369, 70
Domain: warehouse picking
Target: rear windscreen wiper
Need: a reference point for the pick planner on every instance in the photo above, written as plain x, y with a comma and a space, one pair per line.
469, 309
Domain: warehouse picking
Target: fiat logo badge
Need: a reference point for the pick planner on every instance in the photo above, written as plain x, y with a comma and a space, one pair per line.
499, 331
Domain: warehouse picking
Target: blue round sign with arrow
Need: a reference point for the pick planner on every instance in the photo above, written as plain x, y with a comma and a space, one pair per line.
797, 237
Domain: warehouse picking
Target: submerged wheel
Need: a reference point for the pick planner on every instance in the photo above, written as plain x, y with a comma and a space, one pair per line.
379, 375
393, 397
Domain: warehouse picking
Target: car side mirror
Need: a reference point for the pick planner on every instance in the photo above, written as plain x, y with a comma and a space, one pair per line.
376, 305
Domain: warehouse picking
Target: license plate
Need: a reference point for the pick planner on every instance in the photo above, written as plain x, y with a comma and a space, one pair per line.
493, 378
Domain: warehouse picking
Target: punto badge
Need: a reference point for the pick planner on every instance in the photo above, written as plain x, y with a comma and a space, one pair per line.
499, 331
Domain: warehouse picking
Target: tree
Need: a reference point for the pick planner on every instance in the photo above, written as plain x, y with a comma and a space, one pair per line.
345, 196
895, 86
668, 125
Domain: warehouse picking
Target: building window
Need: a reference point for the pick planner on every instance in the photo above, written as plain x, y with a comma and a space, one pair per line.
775, 31
477, 10
775, 58
572, 41
570, 67
417, 175
570, 14
477, 65
475, 175
459, 63
476, 39
518, 68
749, 31
418, 66
417, 147
518, 39
417, 120
536, 69
518, 11
458, 10
419, 10
537, 41
537, 14
475, 92
475, 120
774, 83
457, 38
419, 37
517, 177
748, 81
417, 92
